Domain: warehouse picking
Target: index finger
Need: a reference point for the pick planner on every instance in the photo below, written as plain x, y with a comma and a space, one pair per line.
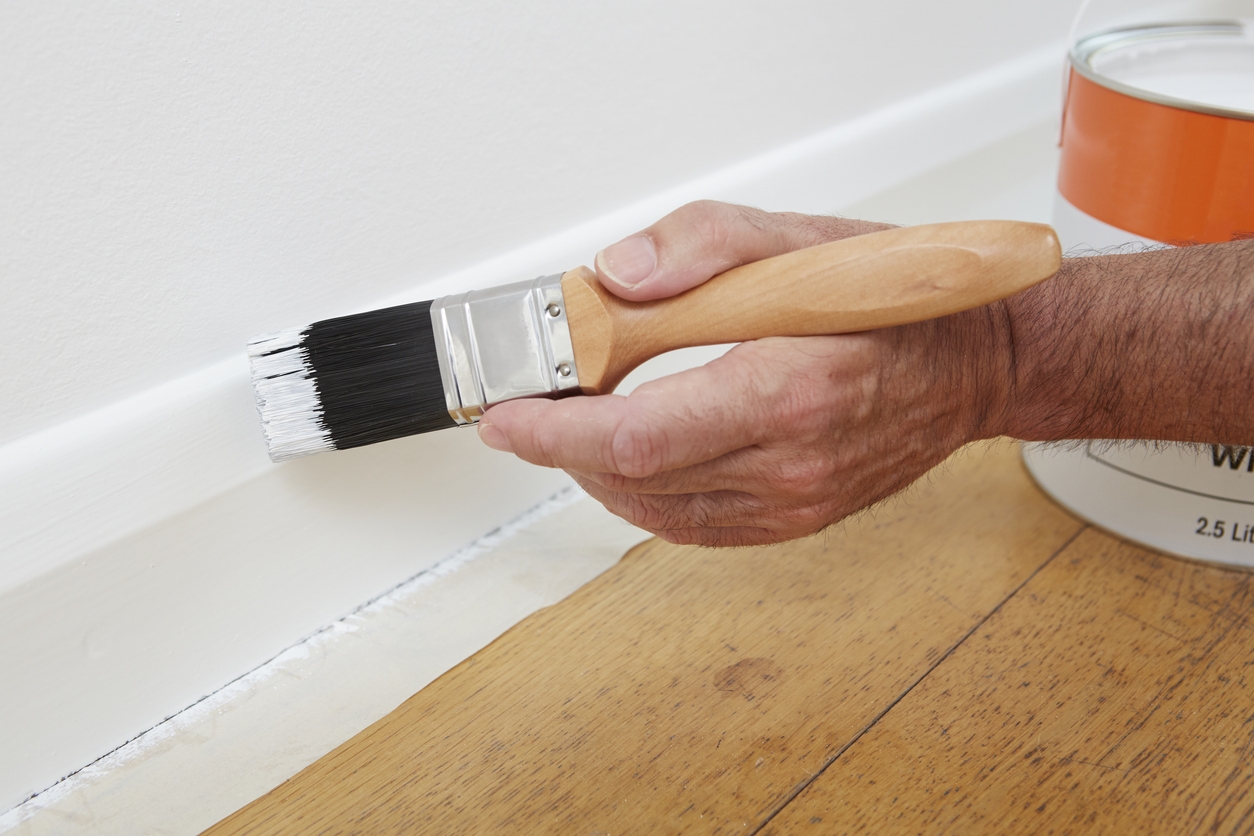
673, 422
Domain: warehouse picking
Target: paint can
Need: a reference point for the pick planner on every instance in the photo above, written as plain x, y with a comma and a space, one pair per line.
1158, 149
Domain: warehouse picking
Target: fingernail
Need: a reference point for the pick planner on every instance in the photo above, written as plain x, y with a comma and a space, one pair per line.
629, 262
493, 437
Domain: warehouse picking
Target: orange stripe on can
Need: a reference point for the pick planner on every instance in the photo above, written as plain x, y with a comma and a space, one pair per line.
1161, 172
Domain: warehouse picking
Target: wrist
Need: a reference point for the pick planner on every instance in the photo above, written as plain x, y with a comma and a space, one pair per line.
1153, 344
960, 370
1066, 369
987, 383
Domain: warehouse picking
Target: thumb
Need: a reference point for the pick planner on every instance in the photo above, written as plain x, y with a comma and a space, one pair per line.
702, 239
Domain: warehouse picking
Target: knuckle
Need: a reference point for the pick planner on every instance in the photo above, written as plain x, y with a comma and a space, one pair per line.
615, 482
629, 508
543, 445
681, 537
698, 211
649, 513
758, 219
717, 232
700, 511
637, 450
804, 521
804, 478
802, 412
709, 222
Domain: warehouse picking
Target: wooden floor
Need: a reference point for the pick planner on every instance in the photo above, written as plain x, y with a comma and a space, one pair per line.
969, 660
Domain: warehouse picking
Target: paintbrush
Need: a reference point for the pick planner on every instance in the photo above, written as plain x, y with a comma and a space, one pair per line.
425, 366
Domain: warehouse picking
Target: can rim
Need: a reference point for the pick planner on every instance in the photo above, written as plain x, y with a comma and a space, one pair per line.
1083, 53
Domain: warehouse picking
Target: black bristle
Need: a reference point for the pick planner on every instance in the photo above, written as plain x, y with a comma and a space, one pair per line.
377, 375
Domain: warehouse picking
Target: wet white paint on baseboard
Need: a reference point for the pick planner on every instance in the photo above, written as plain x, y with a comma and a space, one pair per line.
237, 743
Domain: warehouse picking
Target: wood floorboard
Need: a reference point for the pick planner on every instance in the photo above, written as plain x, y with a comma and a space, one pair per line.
1113, 694
688, 690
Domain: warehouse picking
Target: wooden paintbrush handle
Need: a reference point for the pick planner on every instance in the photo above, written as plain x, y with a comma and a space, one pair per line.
855, 284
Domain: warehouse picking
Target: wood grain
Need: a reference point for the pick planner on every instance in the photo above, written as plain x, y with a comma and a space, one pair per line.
687, 690
1113, 694
869, 281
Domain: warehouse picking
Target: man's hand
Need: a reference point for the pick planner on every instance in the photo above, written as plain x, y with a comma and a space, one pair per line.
779, 437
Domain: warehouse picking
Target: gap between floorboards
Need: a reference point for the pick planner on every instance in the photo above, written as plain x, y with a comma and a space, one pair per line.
800, 787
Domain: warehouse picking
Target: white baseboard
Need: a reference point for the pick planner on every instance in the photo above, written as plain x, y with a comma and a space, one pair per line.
150, 552
89, 481
260, 729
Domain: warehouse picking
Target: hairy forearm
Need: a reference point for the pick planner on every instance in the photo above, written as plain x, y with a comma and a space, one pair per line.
1153, 345
781, 437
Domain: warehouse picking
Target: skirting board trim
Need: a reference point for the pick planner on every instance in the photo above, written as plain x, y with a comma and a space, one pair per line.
90, 481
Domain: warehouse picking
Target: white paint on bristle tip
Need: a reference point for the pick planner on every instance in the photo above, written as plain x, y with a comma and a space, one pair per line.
291, 411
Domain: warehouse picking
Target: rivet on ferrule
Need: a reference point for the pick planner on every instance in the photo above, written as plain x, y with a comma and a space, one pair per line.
502, 343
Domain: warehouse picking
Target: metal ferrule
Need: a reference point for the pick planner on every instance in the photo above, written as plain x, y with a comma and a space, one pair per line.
506, 342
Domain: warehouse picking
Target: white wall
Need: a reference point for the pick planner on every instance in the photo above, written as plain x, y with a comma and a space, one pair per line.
175, 179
